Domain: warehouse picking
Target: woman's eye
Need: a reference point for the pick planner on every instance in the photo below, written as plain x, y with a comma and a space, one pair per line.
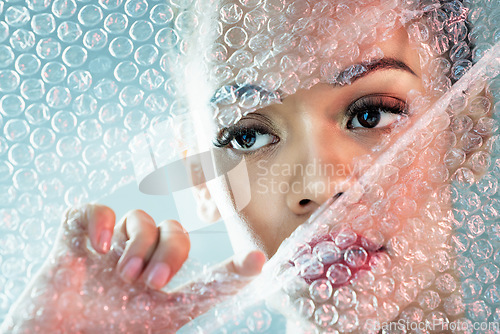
375, 112
245, 140
251, 141
374, 119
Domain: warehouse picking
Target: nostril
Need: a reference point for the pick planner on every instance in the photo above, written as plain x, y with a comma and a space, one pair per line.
304, 202
338, 195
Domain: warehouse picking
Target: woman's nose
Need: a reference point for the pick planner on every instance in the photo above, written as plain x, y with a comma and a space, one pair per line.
315, 182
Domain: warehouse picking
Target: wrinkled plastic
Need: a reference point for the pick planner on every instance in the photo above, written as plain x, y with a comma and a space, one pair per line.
429, 197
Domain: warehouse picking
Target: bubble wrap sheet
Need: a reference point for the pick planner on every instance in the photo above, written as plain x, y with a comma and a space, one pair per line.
412, 246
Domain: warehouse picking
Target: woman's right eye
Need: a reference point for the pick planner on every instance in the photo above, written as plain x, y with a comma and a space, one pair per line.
375, 111
374, 118
245, 139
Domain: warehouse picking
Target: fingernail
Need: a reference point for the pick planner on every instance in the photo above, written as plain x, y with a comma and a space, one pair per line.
132, 269
105, 240
159, 275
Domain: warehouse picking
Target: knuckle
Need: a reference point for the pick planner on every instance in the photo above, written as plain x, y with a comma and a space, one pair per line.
172, 226
136, 212
147, 237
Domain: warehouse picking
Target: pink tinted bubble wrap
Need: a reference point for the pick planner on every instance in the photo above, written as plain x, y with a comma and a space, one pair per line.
415, 240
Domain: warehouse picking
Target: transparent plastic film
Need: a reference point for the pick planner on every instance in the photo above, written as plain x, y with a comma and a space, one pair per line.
415, 246
353, 143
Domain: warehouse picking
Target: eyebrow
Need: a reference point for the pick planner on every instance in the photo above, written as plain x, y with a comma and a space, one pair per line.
239, 92
358, 71
347, 76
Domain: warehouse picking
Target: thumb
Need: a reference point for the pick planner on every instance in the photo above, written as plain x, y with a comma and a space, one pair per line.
246, 264
214, 286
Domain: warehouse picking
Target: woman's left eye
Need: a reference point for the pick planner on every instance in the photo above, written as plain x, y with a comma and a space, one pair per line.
375, 112
245, 139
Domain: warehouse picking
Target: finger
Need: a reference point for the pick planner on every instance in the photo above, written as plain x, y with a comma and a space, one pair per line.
249, 264
91, 221
171, 252
224, 280
142, 234
101, 222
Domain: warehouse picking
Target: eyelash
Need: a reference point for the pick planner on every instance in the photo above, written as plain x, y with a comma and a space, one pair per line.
367, 103
227, 135
375, 103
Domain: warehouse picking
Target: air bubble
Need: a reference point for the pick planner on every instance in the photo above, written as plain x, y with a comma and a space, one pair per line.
6, 56
116, 23
9, 81
47, 163
6, 170
69, 147
321, 290
79, 81
161, 14
105, 89
98, 180
52, 187
94, 154
235, 37
136, 120
166, 38
355, 256
22, 40
131, 96
16, 130
13, 267
95, 39
110, 4
27, 64
186, 22
325, 315
85, 105
75, 196
141, 31
69, 32
17, 16
90, 15
11, 105
4, 31
64, 8
64, 121
43, 24
136, 8
25, 179
37, 113
58, 97
42, 138
121, 47
338, 274
53, 72
110, 113
29, 205
151, 79
48, 48
146, 55
126, 71
89, 130
304, 307
74, 56
230, 13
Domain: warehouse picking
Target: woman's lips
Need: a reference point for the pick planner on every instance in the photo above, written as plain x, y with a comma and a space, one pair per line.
337, 258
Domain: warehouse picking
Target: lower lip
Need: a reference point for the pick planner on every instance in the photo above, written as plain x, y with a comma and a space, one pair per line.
339, 267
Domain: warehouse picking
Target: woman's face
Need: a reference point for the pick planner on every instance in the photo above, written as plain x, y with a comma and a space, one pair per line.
308, 148
301, 152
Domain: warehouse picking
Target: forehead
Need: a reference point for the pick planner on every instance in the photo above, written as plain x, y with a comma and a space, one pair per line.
276, 47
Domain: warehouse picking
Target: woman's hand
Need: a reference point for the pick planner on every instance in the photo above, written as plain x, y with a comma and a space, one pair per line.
112, 285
